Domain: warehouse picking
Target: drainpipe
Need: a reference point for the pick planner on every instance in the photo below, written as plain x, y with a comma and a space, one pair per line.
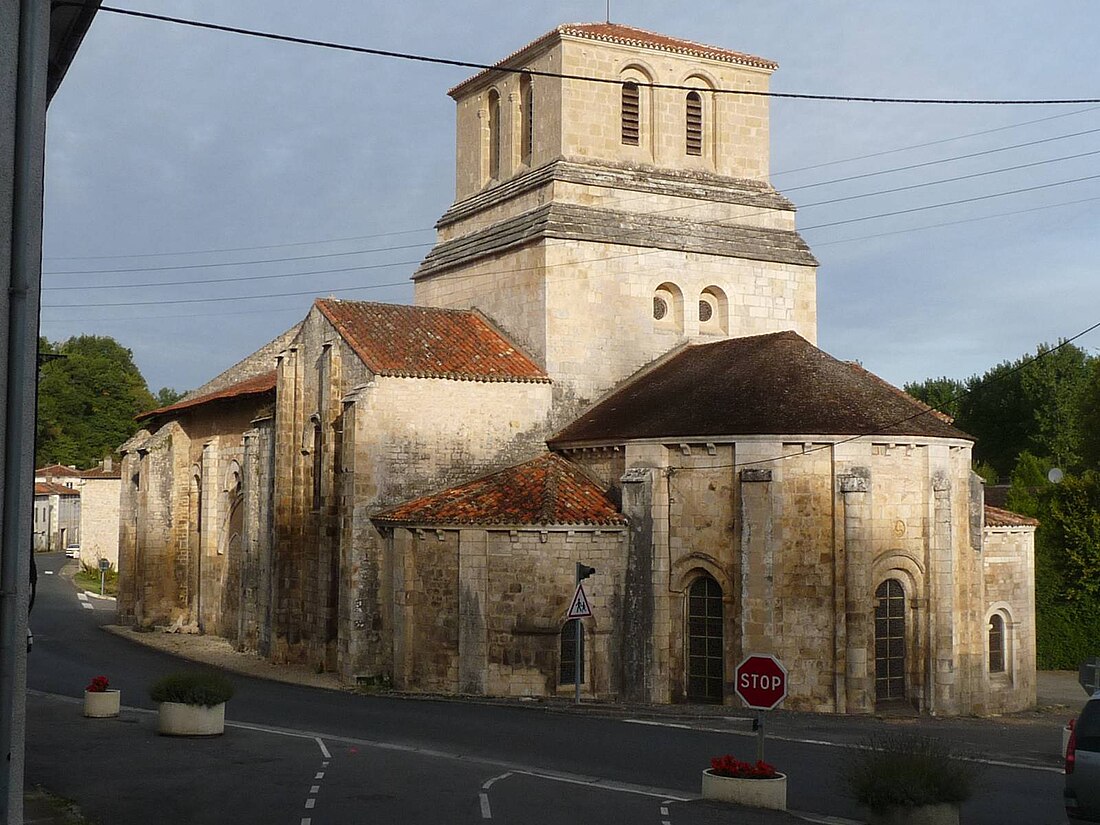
31, 49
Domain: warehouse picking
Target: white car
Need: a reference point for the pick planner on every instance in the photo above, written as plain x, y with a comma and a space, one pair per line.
73, 551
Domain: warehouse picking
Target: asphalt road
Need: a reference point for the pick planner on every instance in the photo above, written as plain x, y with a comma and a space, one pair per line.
308, 756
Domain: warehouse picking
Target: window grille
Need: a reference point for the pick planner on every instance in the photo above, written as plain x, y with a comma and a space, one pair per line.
631, 105
996, 644
694, 124
706, 311
660, 308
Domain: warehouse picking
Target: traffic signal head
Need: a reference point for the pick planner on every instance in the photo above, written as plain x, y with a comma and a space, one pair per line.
584, 571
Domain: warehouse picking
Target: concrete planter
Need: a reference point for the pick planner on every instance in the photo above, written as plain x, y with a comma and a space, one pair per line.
176, 719
942, 814
755, 793
102, 704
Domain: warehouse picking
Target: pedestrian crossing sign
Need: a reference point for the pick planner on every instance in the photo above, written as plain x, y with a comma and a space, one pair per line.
580, 608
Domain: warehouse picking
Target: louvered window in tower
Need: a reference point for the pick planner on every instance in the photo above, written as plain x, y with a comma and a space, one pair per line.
694, 124
631, 114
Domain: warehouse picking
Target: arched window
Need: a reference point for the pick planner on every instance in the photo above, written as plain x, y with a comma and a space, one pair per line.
713, 311
631, 114
527, 119
996, 644
890, 640
706, 649
494, 134
570, 653
668, 307
694, 120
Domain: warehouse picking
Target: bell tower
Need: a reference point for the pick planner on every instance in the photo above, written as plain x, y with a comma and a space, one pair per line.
612, 202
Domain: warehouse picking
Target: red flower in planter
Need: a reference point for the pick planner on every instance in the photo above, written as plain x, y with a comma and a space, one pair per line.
728, 766
98, 685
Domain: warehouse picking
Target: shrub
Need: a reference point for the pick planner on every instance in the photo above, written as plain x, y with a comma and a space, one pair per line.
192, 688
905, 770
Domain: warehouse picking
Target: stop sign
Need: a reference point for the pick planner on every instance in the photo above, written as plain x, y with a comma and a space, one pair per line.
761, 681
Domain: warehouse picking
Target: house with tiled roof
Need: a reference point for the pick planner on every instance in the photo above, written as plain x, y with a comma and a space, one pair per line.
610, 361
56, 515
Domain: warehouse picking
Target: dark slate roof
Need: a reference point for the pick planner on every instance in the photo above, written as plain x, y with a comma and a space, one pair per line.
776, 384
996, 517
546, 490
259, 385
428, 342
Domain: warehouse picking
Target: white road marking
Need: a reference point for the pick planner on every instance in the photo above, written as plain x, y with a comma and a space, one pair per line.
314, 789
310, 802
1000, 763
82, 596
306, 821
48, 572
320, 775
486, 811
87, 606
324, 750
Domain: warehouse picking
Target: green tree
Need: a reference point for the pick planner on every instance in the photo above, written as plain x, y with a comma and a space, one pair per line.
942, 393
166, 396
1090, 417
1033, 403
87, 400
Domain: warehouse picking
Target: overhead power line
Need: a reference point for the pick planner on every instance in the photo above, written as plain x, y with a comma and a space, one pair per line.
910, 147
420, 58
951, 159
235, 248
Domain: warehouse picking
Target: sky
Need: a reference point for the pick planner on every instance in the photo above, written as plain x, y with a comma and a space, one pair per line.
203, 187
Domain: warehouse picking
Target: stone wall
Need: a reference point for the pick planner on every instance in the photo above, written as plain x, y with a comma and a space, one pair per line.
1008, 561
799, 535
512, 590
99, 520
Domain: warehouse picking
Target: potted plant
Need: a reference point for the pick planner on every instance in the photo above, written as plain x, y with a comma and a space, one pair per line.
756, 784
100, 701
908, 779
192, 703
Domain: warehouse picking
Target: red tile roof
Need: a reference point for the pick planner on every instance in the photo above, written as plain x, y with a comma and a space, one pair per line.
626, 36
775, 384
59, 470
49, 488
546, 490
100, 472
258, 385
427, 342
996, 517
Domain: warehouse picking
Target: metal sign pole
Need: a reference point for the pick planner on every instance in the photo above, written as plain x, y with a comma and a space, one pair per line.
577, 650
760, 717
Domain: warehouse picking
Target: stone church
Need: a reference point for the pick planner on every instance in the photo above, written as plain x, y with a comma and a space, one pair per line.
610, 360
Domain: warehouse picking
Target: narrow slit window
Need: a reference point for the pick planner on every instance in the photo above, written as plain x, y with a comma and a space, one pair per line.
631, 114
694, 124
527, 118
996, 644
494, 134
